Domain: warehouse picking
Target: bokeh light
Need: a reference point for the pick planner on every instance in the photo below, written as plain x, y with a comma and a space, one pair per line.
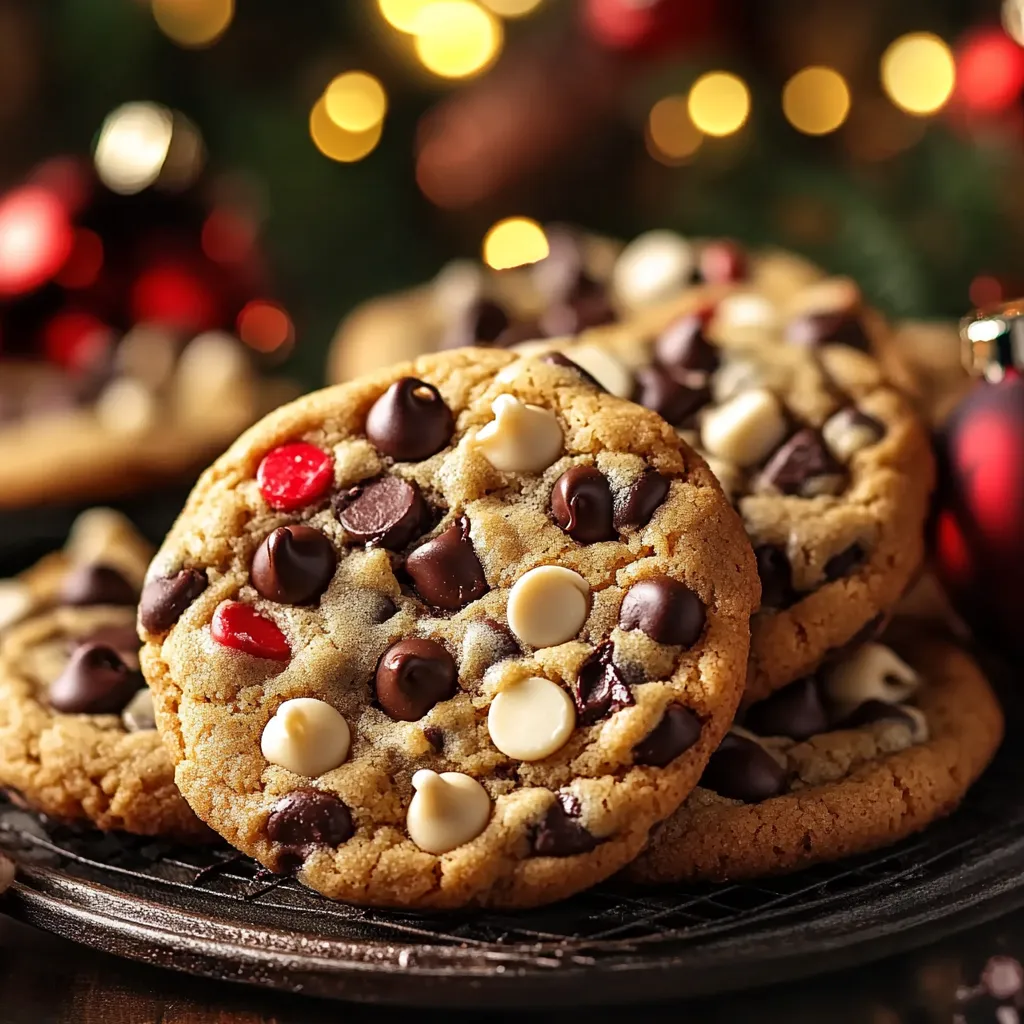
672, 137
1013, 20
35, 238
512, 8
174, 294
75, 339
918, 73
719, 103
401, 14
514, 242
228, 237
457, 38
82, 268
336, 143
193, 23
356, 101
132, 146
816, 100
265, 326
985, 290
989, 70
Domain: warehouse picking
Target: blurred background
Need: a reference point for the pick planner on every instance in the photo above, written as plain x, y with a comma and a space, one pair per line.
261, 167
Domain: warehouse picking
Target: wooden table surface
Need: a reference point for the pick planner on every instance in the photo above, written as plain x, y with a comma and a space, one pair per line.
45, 980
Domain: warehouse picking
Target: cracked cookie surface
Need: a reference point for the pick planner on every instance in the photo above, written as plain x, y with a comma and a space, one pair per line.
456, 633
904, 756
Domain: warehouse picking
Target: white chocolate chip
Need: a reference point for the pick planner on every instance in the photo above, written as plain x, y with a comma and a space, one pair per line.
138, 716
531, 719
446, 811
15, 602
608, 371
847, 434
919, 731
871, 672
307, 736
653, 267
548, 605
521, 438
745, 429
126, 406
746, 310
734, 376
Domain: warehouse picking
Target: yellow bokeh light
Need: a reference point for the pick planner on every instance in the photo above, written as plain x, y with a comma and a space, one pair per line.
401, 14
513, 242
719, 103
918, 73
337, 143
816, 101
512, 8
193, 23
356, 101
456, 38
672, 136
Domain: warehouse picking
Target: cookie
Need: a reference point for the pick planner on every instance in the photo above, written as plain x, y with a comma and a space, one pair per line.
585, 281
147, 409
78, 739
457, 633
872, 750
825, 461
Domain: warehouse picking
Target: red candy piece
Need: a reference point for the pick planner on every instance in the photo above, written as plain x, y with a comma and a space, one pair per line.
294, 475
243, 629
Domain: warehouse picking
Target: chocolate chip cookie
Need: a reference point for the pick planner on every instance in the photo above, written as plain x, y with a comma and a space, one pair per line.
77, 736
456, 633
871, 750
826, 463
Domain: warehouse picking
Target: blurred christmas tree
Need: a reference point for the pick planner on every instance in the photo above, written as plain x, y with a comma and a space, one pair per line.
883, 140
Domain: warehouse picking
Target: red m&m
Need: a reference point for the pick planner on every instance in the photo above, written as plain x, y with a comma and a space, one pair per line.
242, 628
294, 474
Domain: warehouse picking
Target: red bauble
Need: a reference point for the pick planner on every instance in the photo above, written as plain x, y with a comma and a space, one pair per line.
648, 26
979, 528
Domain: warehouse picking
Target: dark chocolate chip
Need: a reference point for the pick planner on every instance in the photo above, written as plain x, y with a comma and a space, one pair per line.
795, 711
722, 262
410, 421
412, 676
742, 769
776, 576
293, 565
97, 584
95, 681
846, 561
559, 833
166, 597
642, 500
673, 400
798, 460
389, 512
445, 571
590, 309
814, 329
677, 731
682, 346
560, 359
600, 688
481, 322
435, 737
872, 711
124, 639
581, 503
305, 819
668, 611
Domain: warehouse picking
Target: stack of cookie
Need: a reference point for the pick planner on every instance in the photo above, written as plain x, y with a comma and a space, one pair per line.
478, 629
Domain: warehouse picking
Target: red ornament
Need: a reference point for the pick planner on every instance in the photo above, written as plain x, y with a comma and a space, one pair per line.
648, 26
989, 71
294, 475
242, 628
979, 529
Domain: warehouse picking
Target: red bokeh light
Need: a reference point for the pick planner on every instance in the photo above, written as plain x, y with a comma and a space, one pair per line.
990, 70
75, 340
84, 264
265, 326
174, 295
228, 237
35, 239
